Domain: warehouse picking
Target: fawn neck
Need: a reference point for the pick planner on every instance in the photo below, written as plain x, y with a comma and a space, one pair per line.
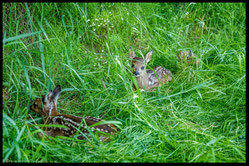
53, 110
142, 80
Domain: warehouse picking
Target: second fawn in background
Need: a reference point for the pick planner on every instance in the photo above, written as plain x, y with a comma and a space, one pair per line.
187, 57
147, 79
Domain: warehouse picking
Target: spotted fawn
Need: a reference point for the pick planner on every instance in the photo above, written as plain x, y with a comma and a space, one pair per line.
187, 57
46, 106
146, 78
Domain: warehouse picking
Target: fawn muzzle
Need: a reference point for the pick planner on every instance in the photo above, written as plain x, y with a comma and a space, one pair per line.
136, 73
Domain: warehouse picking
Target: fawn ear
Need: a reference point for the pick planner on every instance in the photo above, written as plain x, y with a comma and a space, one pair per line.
131, 54
48, 96
148, 56
191, 54
56, 94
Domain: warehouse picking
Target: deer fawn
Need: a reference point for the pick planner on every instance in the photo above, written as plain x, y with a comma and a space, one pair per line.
47, 108
147, 78
187, 57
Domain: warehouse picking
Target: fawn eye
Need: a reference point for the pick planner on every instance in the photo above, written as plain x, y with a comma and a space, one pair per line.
132, 65
142, 67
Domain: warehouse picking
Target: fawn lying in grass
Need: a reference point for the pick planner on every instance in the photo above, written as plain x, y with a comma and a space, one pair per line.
147, 79
187, 57
47, 108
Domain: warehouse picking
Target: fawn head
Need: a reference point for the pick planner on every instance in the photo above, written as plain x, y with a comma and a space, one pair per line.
139, 64
47, 105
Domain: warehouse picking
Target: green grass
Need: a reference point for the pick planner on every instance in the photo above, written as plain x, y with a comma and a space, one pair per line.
198, 117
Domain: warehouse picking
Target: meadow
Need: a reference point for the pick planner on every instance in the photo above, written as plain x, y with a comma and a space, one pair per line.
200, 116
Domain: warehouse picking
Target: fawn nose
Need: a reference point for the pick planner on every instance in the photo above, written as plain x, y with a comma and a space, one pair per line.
136, 73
